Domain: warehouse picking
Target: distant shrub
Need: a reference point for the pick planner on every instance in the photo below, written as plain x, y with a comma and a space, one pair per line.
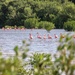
31, 23
46, 25
7, 26
69, 25
21, 27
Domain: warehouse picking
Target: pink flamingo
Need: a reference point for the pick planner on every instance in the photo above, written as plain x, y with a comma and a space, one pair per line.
8, 28
44, 37
3, 28
30, 36
38, 36
55, 36
49, 37
15, 28
73, 36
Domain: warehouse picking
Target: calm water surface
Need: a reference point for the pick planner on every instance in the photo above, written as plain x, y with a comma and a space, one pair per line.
10, 38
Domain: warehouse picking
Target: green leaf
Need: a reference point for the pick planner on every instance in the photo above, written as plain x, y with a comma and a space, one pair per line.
16, 50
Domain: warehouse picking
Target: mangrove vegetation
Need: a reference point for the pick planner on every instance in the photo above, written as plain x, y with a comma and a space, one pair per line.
37, 13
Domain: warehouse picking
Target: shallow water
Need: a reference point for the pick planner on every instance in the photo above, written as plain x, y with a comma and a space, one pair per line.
10, 38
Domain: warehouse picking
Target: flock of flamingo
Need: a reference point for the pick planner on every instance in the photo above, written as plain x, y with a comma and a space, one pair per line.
13, 28
39, 36
46, 36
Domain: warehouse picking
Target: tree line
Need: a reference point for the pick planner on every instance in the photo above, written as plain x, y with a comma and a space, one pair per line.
34, 13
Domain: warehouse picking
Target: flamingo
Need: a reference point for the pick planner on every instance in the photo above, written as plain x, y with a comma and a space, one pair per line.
49, 37
55, 36
8, 28
38, 36
30, 36
73, 36
44, 37
15, 28
3, 28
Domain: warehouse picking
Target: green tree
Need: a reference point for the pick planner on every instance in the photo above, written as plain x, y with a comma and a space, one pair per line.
31, 23
69, 25
46, 25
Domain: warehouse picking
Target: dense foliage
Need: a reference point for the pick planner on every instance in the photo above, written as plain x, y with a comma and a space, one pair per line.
69, 25
31, 23
40, 64
17, 12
